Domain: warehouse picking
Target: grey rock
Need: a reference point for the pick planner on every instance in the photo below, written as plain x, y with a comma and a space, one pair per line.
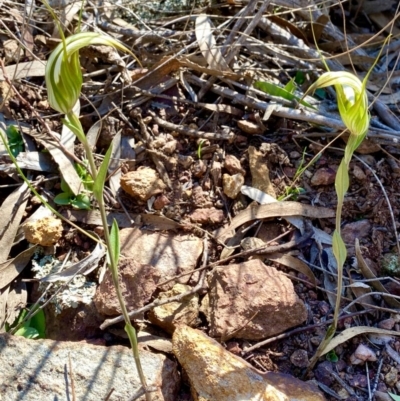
38, 370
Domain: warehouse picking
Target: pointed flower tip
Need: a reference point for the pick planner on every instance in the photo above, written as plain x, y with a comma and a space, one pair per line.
351, 97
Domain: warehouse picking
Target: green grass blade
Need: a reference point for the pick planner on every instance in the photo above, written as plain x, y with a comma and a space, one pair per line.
100, 180
275, 90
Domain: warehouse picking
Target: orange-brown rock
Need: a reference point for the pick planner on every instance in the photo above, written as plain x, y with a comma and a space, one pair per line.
216, 374
253, 301
142, 184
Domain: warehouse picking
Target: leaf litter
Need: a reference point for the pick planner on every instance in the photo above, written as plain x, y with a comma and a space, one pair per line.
196, 84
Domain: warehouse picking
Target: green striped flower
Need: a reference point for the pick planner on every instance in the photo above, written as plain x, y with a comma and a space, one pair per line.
352, 99
63, 71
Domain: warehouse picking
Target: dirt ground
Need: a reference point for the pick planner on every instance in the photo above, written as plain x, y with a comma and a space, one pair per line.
193, 113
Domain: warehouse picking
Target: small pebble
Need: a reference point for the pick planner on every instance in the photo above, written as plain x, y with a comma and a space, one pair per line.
387, 324
359, 173
391, 377
323, 176
299, 358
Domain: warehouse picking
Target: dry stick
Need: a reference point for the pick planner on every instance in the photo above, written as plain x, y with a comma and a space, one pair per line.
265, 249
191, 132
236, 47
109, 394
240, 20
285, 112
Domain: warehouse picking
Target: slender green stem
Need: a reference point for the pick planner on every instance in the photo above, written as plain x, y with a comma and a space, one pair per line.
74, 124
130, 330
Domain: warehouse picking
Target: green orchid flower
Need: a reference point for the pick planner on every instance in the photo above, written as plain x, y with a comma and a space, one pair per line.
63, 71
352, 99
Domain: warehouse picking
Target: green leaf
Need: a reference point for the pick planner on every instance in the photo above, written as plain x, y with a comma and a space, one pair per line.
201, 143
342, 181
331, 356
38, 322
65, 188
27, 332
275, 90
114, 242
339, 249
100, 180
300, 78
15, 141
395, 397
63, 199
290, 86
81, 201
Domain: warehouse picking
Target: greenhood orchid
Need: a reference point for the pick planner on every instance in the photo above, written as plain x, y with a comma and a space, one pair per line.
352, 99
63, 71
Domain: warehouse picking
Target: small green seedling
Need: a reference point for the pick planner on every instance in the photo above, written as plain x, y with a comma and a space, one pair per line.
80, 201
67, 197
331, 356
15, 141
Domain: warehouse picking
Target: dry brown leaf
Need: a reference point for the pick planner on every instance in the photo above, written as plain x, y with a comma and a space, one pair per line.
37, 161
293, 263
281, 209
355, 331
158, 73
113, 168
65, 165
11, 213
84, 266
24, 70
368, 274
383, 20
16, 301
13, 267
359, 290
293, 28
3, 302
208, 45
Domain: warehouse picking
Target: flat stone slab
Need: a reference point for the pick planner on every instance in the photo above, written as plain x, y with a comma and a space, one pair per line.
171, 254
39, 370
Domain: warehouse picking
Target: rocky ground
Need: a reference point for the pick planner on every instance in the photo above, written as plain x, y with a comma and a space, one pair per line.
225, 199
